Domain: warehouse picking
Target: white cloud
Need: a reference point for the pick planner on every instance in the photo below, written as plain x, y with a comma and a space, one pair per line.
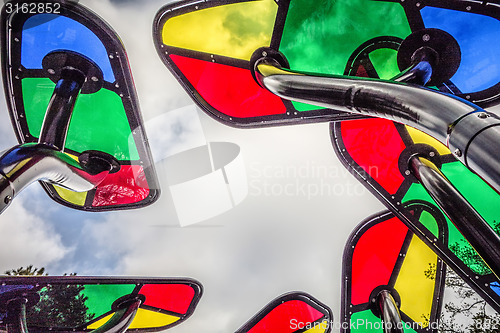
25, 238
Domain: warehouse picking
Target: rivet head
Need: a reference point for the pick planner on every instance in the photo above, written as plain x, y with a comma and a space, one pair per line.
482, 115
458, 152
426, 38
7, 199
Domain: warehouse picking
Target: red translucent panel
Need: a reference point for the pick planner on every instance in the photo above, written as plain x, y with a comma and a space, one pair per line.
129, 185
374, 258
171, 297
375, 145
279, 319
231, 90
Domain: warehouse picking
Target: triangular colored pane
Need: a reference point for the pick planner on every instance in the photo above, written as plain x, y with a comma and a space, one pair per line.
101, 297
150, 319
418, 296
373, 268
291, 313
219, 30
225, 86
375, 145
170, 297
278, 320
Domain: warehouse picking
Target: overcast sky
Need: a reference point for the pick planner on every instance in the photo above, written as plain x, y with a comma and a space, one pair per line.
269, 244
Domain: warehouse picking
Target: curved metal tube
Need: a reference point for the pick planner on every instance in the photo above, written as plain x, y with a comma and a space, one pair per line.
460, 125
25, 164
468, 221
391, 317
60, 109
122, 318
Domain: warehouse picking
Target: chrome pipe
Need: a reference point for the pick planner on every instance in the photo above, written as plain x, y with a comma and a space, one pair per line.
470, 132
25, 164
389, 311
60, 109
468, 221
122, 318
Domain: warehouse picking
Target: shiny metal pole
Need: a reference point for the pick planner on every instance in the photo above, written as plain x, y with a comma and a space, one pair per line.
122, 318
471, 133
25, 164
60, 109
389, 311
468, 221
45, 161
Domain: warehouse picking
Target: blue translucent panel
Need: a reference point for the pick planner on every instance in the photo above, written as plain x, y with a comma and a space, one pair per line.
495, 286
477, 36
9, 288
45, 33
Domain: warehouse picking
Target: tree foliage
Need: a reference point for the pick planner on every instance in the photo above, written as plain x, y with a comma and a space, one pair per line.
60, 305
466, 311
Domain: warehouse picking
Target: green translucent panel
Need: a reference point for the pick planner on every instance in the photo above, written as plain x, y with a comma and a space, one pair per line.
99, 120
101, 297
320, 36
417, 192
480, 195
367, 322
429, 222
385, 63
305, 107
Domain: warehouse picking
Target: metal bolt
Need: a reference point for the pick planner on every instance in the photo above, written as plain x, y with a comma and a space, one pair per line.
95, 79
407, 172
264, 53
7, 199
458, 152
426, 38
432, 154
482, 115
51, 71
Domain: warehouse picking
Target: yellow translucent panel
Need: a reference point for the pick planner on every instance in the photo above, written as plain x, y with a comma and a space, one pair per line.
146, 318
416, 290
100, 322
318, 328
420, 137
234, 30
143, 319
76, 198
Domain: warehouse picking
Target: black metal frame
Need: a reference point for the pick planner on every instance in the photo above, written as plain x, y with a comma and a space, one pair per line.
292, 296
412, 9
41, 281
394, 203
357, 233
